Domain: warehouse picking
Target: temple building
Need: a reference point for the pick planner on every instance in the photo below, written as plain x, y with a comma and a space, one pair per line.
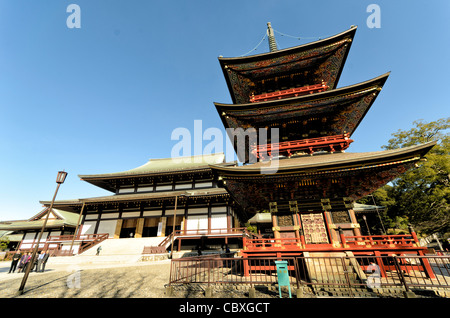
22, 234
158, 198
297, 185
304, 179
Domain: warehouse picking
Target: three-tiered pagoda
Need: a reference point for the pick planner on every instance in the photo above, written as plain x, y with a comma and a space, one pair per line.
311, 193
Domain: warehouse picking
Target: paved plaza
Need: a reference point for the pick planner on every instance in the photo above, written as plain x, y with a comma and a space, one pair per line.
138, 280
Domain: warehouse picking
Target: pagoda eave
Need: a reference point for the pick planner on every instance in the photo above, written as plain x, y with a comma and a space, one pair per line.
350, 33
317, 177
325, 162
377, 82
328, 113
240, 72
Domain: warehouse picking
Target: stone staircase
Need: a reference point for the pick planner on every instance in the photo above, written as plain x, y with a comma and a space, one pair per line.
114, 251
331, 274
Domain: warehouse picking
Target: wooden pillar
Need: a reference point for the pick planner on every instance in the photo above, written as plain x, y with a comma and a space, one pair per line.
183, 225
356, 228
380, 263
426, 265
139, 228
331, 227
163, 225
209, 217
118, 228
296, 218
275, 228
342, 238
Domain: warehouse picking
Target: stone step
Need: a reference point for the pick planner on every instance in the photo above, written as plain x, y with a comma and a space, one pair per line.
114, 251
126, 246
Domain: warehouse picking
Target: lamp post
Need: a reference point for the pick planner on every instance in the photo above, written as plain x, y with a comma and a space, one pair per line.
365, 220
76, 228
59, 180
381, 221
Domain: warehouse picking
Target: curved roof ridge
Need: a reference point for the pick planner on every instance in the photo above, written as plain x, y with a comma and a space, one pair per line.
307, 161
293, 48
337, 91
167, 164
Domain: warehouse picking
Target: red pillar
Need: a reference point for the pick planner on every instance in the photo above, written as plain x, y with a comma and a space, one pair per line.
426, 265
341, 235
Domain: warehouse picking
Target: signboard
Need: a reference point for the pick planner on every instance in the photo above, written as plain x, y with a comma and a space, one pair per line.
314, 228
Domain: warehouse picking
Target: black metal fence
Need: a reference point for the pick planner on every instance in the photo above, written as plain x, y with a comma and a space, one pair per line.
357, 272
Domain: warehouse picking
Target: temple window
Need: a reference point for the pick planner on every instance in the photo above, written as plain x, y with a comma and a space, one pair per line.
126, 190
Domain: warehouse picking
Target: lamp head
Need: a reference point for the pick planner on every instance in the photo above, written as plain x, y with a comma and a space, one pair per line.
61, 177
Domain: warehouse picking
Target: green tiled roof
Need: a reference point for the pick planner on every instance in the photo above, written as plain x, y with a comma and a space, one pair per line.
177, 164
66, 219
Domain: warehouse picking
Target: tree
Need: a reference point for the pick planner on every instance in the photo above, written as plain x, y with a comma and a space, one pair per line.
422, 194
4, 241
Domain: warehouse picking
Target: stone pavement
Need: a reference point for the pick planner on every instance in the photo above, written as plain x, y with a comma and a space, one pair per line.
102, 280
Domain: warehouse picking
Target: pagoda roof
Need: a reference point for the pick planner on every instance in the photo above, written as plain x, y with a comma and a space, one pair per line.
316, 177
325, 162
327, 113
322, 60
157, 167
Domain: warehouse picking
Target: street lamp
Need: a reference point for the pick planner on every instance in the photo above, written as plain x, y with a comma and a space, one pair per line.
365, 220
376, 208
60, 178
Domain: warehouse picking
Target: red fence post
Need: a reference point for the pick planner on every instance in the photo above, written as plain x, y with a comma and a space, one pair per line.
341, 235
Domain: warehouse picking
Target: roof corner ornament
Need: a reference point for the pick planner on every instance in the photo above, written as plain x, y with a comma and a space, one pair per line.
272, 43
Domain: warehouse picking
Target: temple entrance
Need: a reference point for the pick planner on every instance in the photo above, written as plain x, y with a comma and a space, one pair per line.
150, 228
169, 224
128, 228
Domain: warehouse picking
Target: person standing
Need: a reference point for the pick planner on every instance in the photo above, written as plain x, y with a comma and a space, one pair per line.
24, 262
15, 259
45, 259
40, 260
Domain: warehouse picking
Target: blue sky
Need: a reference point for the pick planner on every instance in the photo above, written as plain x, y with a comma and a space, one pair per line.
107, 96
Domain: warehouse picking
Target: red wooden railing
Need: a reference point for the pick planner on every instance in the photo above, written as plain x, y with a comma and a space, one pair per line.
291, 92
197, 232
380, 241
79, 237
87, 241
287, 148
347, 242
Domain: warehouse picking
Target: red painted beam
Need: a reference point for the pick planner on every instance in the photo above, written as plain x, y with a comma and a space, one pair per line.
286, 148
291, 92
